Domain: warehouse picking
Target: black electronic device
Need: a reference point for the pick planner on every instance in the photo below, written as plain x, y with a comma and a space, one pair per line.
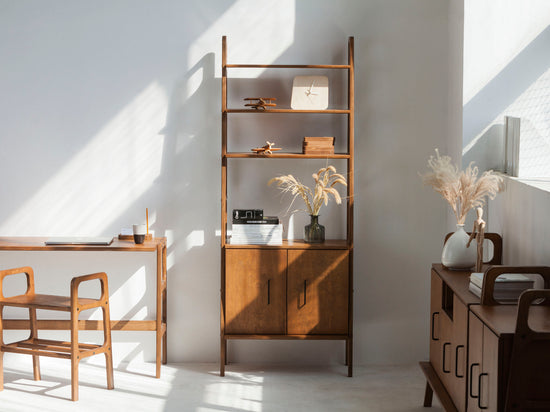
248, 214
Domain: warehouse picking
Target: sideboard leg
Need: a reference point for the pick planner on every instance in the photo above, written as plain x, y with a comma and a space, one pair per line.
428, 395
349, 356
223, 356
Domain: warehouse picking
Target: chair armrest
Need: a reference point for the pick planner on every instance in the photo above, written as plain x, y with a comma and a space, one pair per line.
16, 271
76, 281
487, 292
495, 239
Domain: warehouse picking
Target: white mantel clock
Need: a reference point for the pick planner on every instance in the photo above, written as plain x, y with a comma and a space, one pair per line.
309, 93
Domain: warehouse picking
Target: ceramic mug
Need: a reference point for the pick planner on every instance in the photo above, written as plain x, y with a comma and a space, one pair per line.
139, 233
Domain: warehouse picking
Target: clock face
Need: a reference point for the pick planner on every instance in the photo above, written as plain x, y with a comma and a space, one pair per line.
309, 93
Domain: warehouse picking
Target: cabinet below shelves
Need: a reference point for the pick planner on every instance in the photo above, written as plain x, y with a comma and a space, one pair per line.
286, 292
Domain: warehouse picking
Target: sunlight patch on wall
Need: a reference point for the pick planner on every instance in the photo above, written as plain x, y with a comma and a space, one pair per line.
514, 25
194, 239
129, 297
117, 166
533, 108
254, 39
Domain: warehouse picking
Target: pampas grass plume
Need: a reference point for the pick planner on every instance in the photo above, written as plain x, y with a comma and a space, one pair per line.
463, 190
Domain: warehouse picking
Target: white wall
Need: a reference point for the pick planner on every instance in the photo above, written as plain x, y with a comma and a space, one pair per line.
112, 107
506, 73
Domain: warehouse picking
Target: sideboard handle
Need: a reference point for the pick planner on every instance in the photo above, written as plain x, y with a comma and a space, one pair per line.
268, 291
472, 380
445, 347
456, 361
433, 325
305, 291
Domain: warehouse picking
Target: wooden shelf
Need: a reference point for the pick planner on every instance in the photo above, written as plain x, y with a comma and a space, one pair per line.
278, 280
242, 155
296, 244
288, 66
328, 111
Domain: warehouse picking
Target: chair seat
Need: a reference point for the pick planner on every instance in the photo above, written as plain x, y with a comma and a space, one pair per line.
51, 302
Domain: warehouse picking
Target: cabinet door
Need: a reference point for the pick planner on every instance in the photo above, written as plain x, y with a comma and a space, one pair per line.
255, 288
457, 387
489, 379
475, 360
436, 338
483, 352
318, 292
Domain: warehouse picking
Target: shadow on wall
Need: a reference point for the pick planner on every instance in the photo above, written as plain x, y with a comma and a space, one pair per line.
506, 87
488, 149
190, 159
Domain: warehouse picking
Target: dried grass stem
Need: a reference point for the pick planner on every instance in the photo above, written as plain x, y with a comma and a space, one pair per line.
325, 180
463, 190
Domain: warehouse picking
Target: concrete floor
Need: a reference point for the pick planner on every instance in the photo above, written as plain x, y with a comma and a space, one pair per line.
198, 387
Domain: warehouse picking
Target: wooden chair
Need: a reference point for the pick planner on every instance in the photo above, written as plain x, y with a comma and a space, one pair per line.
529, 378
72, 350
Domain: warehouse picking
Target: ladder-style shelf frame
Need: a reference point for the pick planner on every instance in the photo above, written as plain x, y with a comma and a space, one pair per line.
346, 243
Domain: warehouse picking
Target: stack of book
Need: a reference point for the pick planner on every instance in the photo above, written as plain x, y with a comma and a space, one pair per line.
508, 287
318, 145
256, 229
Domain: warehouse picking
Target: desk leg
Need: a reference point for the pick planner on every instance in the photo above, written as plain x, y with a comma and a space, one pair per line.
164, 309
160, 307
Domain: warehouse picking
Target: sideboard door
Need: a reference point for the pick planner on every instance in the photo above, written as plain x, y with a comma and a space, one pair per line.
255, 291
318, 292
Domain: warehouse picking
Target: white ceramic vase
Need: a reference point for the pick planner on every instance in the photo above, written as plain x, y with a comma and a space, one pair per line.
455, 253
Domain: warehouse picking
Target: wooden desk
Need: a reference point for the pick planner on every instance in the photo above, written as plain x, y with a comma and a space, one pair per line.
157, 245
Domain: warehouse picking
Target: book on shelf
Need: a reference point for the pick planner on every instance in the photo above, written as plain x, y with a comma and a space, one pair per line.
257, 234
323, 139
508, 286
264, 220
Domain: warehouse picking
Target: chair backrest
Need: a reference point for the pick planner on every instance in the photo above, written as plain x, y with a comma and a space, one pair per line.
28, 273
487, 292
529, 377
496, 240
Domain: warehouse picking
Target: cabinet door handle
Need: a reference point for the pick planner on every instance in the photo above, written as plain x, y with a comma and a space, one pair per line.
433, 325
268, 291
444, 350
305, 291
472, 380
456, 361
479, 390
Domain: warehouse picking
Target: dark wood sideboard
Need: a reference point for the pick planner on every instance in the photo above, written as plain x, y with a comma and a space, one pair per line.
475, 350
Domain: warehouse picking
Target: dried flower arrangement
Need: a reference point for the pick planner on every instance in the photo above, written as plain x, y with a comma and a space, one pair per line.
325, 180
463, 190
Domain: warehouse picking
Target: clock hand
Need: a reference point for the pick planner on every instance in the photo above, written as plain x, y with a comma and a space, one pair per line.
308, 91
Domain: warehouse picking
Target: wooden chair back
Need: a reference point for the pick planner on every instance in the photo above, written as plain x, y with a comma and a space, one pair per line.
529, 378
493, 272
28, 273
496, 240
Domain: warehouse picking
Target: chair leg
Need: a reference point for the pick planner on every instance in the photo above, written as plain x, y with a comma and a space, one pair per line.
75, 354
34, 335
108, 344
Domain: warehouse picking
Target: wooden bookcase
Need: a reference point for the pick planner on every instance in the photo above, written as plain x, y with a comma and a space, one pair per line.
298, 290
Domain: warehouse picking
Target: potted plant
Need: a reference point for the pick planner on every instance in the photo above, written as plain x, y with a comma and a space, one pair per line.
463, 190
325, 181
